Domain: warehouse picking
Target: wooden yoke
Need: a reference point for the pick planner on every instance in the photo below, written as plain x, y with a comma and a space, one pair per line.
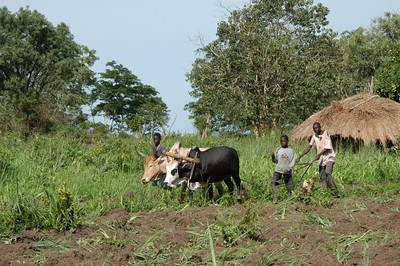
177, 156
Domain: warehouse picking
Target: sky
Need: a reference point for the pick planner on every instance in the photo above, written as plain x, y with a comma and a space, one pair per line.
157, 39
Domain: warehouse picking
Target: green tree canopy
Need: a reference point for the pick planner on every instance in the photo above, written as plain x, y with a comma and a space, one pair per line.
369, 58
361, 53
43, 72
127, 101
270, 62
388, 74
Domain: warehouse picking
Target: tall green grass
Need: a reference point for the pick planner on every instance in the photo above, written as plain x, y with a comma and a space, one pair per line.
96, 177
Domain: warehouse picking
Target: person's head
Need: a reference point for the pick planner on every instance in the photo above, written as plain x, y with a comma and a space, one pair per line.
157, 138
317, 128
284, 141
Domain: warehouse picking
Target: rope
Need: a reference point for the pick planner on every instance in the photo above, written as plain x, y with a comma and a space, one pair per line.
304, 166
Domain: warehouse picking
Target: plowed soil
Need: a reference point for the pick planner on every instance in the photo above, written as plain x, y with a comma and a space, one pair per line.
351, 231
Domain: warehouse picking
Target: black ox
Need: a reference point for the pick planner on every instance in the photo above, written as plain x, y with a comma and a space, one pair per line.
216, 164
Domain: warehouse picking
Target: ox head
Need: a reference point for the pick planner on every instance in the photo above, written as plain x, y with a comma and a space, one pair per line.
173, 180
177, 173
153, 167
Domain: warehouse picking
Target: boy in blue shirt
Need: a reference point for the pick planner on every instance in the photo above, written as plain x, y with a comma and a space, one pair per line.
285, 159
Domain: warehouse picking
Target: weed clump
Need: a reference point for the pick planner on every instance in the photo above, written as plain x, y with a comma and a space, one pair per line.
64, 211
248, 227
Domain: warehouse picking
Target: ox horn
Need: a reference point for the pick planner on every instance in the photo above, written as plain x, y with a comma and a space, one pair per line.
151, 144
154, 150
140, 153
179, 157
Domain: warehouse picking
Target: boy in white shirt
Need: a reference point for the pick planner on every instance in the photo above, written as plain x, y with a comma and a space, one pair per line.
285, 159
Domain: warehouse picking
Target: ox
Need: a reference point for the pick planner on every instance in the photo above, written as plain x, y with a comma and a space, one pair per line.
155, 168
216, 165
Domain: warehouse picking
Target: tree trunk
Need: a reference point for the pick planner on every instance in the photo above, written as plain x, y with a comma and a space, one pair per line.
204, 134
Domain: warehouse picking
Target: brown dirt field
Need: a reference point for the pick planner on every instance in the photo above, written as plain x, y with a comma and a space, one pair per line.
353, 231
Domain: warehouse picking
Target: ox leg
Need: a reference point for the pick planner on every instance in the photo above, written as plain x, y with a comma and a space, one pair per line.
230, 185
183, 190
190, 196
210, 192
237, 180
219, 188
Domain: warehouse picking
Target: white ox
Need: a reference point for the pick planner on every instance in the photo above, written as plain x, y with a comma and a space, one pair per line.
173, 180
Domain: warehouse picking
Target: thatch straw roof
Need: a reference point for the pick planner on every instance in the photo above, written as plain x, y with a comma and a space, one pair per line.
364, 116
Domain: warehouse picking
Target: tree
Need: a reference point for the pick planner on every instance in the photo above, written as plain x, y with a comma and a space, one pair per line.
361, 54
130, 104
269, 63
43, 72
368, 57
388, 25
388, 74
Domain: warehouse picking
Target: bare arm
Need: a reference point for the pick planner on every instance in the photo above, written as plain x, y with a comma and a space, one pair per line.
304, 152
273, 156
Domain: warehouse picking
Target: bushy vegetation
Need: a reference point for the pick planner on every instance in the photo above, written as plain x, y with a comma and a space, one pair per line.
274, 63
46, 81
55, 182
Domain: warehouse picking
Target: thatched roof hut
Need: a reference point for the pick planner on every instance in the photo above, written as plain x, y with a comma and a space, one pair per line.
362, 117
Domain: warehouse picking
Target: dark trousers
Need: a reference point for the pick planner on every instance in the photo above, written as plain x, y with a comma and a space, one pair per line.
325, 176
158, 182
288, 179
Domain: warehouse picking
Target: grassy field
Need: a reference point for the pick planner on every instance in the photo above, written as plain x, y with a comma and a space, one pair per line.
60, 182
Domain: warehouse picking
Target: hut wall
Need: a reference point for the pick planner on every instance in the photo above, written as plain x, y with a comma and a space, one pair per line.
340, 143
